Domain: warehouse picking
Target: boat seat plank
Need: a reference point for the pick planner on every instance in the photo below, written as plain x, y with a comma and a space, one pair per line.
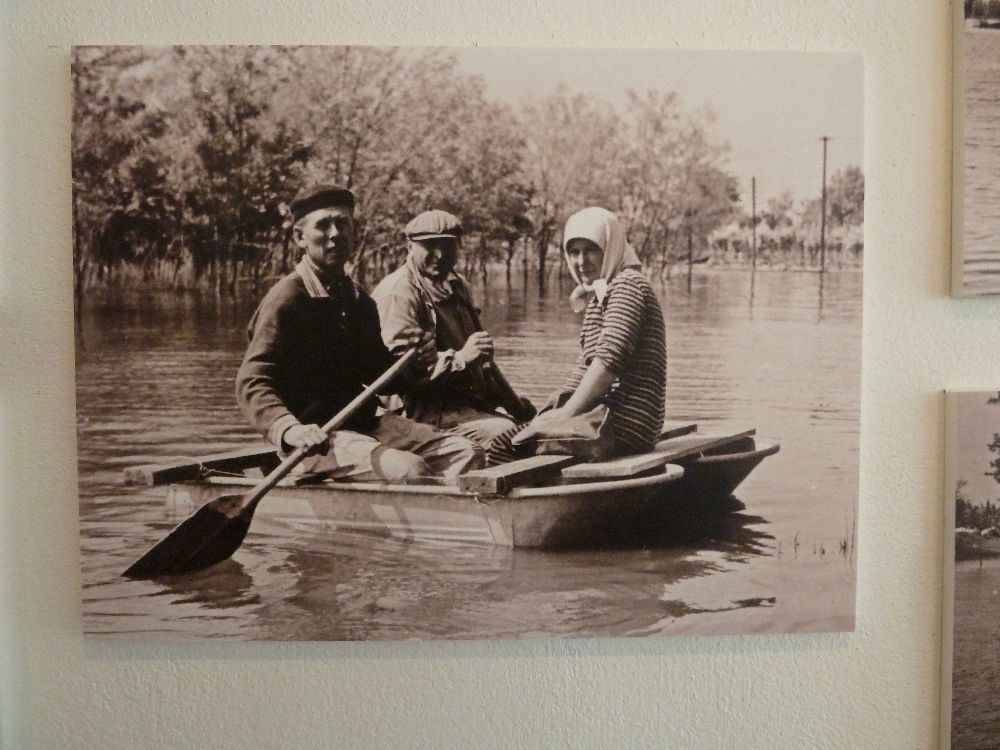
500, 479
667, 451
150, 475
627, 466
685, 446
249, 459
673, 428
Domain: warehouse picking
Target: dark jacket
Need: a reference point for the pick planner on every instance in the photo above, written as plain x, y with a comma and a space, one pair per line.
309, 356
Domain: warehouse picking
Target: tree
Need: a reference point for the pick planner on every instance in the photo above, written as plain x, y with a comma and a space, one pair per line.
114, 183
650, 171
406, 131
184, 160
779, 211
233, 160
571, 143
983, 10
845, 199
197, 148
994, 445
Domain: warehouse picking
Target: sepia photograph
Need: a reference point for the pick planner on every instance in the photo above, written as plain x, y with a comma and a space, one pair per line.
389, 343
976, 183
970, 713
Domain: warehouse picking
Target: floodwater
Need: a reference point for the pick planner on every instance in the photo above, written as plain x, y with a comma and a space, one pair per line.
981, 231
780, 351
975, 710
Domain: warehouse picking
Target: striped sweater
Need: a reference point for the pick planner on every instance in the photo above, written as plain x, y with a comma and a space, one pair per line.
627, 334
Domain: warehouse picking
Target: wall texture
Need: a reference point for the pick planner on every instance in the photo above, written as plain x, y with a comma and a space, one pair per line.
877, 687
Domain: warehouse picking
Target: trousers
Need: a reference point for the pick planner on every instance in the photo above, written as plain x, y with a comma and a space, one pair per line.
397, 449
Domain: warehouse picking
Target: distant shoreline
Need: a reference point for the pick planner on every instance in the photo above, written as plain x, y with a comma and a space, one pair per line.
979, 548
987, 25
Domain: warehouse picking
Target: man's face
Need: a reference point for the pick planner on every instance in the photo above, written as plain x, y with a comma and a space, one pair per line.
327, 236
434, 257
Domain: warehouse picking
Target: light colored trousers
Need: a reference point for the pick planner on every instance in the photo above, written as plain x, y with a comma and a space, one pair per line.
480, 427
397, 449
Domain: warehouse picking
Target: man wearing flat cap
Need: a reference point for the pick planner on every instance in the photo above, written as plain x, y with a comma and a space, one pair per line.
464, 389
315, 342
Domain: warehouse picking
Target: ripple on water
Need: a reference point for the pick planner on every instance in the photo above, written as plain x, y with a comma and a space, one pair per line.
154, 394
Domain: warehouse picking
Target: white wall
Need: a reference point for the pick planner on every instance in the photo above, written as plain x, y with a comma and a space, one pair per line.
877, 687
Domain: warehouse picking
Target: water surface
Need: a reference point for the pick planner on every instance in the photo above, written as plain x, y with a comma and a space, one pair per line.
981, 225
780, 352
975, 710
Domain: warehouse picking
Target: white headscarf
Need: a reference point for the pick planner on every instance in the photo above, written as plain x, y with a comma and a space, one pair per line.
604, 229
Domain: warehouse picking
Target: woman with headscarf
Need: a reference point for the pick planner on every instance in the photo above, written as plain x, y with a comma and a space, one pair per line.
612, 403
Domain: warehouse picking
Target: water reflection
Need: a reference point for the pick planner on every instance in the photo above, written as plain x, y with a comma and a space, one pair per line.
155, 383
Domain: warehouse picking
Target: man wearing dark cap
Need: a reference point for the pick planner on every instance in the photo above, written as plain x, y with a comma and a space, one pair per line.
464, 389
314, 344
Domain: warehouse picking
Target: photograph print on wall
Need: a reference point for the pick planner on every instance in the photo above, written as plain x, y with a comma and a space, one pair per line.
407, 343
976, 150
970, 713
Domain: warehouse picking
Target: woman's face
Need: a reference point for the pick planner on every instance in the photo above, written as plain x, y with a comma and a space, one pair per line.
585, 258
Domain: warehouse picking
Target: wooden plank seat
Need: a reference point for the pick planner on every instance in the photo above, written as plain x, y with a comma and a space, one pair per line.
671, 450
627, 466
496, 480
231, 462
685, 446
672, 428
259, 460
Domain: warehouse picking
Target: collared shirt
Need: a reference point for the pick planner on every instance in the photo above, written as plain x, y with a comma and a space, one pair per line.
316, 286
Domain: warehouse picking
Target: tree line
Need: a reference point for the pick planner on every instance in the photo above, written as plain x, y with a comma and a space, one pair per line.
184, 160
987, 12
969, 514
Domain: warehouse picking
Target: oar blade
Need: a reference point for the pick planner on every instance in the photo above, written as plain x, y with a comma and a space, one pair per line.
217, 528
212, 534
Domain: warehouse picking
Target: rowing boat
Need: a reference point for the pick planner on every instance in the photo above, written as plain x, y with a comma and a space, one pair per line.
542, 502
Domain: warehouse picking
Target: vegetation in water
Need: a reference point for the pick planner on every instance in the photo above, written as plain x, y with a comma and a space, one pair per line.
977, 526
986, 12
184, 160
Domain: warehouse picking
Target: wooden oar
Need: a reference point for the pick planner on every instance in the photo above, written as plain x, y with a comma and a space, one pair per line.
509, 398
217, 529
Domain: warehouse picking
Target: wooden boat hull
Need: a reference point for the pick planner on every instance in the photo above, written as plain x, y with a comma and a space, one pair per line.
689, 507
558, 516
675, 500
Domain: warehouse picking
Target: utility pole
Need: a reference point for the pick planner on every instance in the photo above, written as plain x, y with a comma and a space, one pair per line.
753, 219
822, 220
690, 255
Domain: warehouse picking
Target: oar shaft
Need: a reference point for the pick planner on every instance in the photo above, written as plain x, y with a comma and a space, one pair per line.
509, 399
286, 466
217, 529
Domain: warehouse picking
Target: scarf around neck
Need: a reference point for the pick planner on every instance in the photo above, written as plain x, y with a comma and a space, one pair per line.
605, 230
438, 291
313, 280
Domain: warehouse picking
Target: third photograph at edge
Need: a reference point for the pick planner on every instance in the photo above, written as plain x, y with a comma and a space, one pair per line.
976, 149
